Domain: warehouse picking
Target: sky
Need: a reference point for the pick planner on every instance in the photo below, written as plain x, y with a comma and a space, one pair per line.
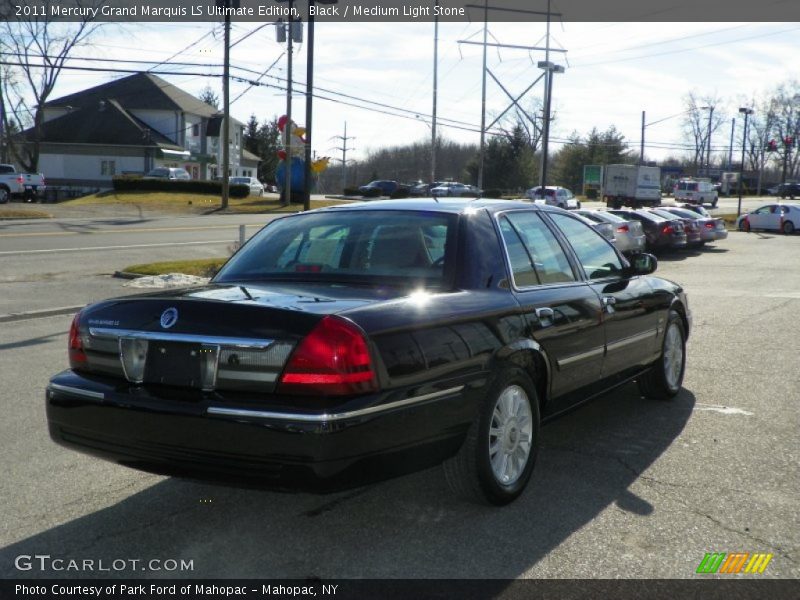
613, 71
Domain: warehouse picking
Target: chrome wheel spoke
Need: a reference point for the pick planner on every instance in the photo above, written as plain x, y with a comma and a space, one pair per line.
510, 435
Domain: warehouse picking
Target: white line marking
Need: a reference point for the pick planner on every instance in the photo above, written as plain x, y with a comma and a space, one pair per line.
51, 250
725, 410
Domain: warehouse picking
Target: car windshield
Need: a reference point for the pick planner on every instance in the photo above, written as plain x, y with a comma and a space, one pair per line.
364, 247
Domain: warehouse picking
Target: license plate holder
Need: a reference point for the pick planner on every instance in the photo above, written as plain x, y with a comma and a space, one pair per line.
174, 363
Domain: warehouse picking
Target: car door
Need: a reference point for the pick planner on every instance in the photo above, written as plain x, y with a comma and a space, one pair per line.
765, 217
562, 311
630, 307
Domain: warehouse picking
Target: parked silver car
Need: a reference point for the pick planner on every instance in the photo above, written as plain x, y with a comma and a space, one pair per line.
711, 228
553, 195
601, 227
256, 187
171, 173
628, 235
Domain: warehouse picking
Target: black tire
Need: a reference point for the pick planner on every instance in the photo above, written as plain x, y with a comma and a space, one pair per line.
3, 195
470, 473
657, 383
714, 203
788, 227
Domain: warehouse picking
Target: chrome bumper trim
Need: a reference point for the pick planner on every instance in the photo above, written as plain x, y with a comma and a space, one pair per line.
327, 417
66, 389
163, 336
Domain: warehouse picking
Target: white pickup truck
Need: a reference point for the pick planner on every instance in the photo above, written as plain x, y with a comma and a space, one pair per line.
20, 185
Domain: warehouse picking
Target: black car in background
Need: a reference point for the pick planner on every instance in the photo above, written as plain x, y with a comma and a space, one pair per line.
788, 190
378, 188
661, 233
360, 342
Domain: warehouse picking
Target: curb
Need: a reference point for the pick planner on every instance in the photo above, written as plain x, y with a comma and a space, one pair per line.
126, 275
38, 314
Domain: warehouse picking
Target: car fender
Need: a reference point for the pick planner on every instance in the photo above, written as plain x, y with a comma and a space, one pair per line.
529, 355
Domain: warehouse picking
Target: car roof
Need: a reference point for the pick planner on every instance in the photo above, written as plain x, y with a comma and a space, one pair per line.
445, 205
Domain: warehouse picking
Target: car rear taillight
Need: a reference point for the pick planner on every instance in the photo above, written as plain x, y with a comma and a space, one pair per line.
77, 357
623, 228
710, 225
667, 229
20, 179
333, 359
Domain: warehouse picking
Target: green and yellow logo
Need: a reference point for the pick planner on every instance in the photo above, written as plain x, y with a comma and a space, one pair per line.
734, 562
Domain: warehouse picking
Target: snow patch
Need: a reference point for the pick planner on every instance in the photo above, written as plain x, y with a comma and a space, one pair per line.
169, 280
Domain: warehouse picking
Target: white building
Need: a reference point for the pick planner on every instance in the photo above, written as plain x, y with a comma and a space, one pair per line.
132, 125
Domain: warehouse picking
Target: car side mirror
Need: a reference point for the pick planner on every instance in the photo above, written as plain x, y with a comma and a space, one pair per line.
641, 264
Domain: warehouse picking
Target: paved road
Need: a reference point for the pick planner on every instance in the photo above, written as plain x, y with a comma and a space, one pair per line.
624, 487
80, 254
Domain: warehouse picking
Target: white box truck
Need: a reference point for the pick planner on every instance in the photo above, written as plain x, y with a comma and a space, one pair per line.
631, 185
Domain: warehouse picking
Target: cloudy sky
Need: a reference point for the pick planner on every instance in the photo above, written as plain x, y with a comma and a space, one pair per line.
613, 72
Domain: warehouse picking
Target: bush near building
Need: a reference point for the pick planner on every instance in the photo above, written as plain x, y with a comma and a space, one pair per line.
129, 183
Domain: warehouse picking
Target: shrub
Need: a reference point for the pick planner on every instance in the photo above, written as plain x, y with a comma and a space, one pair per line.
135, 183
492, 193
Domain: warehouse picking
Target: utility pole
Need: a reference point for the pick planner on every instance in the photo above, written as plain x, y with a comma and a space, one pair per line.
708, 150
309, 105
514, 100
435, 91
483, 93
226, 105
641, 147
344, 150
287, 131
730, 147
747, 112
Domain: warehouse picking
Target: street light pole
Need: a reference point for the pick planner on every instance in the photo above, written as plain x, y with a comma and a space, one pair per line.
641, 149
708, 150
435, 90
746, 112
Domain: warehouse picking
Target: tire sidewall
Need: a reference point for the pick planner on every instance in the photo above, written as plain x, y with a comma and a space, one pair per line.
674, 320
496, 492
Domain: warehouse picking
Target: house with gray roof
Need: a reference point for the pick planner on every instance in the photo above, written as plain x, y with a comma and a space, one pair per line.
132, 125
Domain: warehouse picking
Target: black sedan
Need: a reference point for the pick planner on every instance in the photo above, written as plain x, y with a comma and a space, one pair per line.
360, 342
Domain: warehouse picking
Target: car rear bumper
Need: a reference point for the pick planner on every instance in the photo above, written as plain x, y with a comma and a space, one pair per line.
371, 438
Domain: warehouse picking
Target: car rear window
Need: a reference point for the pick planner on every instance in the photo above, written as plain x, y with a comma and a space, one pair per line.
350, 247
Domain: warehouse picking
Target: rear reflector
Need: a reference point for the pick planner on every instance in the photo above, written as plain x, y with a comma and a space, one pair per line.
333, 359
77, 357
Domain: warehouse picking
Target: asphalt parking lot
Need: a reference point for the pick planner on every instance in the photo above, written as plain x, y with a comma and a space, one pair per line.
624, 487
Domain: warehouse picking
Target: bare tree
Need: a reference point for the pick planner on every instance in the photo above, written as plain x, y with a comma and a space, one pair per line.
209, 96
696, 123
787, 125
37, 48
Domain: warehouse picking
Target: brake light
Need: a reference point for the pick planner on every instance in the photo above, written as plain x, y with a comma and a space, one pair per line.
710, 225
77, 357
623, 228
668, 229
20, 179
333, 360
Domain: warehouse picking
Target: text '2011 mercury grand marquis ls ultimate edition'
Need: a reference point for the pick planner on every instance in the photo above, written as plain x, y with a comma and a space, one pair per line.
355, 343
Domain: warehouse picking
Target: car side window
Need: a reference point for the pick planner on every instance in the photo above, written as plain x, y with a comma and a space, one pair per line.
598, 258
545, 254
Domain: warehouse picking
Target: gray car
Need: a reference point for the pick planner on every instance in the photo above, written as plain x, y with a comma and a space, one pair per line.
711, 228
628, 235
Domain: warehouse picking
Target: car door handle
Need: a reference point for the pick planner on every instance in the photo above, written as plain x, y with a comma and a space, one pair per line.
608, 303
545, 315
